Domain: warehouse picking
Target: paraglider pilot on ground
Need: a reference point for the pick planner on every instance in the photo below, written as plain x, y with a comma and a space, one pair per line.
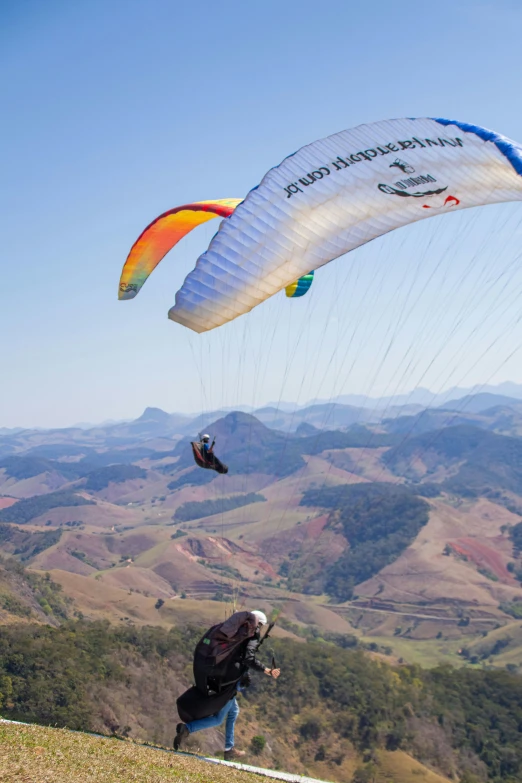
223, 659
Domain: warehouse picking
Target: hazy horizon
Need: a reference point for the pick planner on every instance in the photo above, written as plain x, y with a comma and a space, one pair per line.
413, 397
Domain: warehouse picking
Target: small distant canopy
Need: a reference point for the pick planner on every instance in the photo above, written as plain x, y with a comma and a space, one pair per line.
300, 287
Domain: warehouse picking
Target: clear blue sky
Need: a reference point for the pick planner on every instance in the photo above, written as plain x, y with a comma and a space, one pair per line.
116, 110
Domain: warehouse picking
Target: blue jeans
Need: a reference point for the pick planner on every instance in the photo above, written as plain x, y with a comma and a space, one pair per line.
230, 711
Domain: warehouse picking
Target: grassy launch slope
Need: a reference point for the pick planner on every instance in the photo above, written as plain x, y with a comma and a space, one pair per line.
41, 754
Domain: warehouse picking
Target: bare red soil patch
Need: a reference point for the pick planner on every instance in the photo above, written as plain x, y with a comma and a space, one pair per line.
316, 526
310, 538
483, 556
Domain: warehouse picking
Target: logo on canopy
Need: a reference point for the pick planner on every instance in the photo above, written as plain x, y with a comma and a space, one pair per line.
403, 187
128, 287
404, 167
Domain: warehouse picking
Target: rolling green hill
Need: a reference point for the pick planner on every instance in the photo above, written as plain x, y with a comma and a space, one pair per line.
116, 474
28, 509
195, 510
330, 705
247, 446
483, 461
378, 520
22, 467
25, 544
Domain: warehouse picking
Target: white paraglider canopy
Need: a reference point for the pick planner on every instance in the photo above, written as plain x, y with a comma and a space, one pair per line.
335, 195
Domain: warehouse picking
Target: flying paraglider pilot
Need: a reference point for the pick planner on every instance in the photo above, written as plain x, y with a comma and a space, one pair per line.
204, 456
205, 447
222, 662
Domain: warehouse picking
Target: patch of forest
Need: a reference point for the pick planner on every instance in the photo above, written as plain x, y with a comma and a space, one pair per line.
30, 508
356, 438
99, 469
25, 467
196, 509
30, 595
100, 478
379, 521
328, 701
489, 462
25, 544
197, 478
248, 446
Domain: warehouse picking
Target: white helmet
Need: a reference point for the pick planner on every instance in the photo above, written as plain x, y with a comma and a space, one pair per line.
261, 617
205, 437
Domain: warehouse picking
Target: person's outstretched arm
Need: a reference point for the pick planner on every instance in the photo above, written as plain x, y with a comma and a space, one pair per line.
253, 662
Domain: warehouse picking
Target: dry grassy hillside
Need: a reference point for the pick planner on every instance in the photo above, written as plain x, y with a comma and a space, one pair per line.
127, 541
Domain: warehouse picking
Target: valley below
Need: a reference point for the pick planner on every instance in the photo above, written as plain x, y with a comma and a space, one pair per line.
387, 539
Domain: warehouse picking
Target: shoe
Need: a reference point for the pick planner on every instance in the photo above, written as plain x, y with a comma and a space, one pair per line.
181, 735
233, 754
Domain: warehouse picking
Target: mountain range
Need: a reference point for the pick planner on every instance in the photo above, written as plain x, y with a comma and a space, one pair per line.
419, 534
346, 408
397, 532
